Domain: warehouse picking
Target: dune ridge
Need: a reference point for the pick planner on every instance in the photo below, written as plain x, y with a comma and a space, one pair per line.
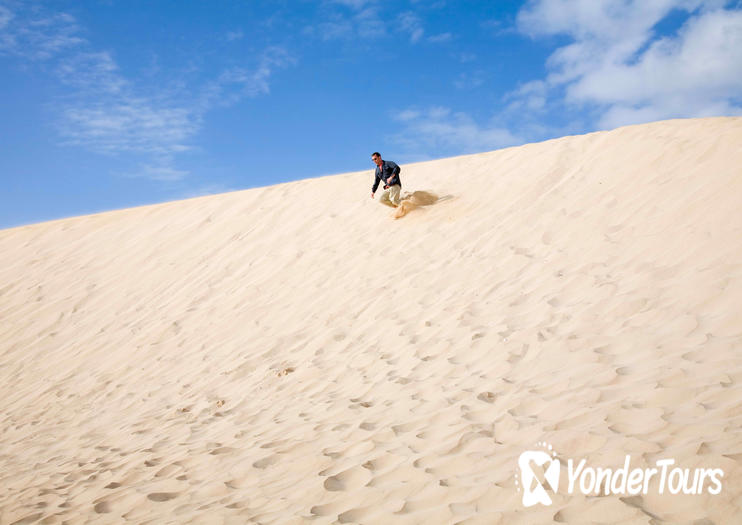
293, 354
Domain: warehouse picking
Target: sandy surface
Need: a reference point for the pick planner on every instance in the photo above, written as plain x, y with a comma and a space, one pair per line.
292, 353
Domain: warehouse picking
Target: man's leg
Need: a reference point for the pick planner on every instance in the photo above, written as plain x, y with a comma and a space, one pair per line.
384, 198
394, 194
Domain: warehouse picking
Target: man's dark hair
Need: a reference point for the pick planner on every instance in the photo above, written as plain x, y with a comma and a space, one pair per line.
376, 154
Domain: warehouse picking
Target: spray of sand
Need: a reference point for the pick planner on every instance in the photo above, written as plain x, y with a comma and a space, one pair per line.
414, 200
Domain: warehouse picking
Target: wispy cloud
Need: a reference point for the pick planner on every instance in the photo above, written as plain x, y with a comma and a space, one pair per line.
430, 4
105, 112
411, 25
334, 27
498, 27
352, 19
231, 36
365, 19
530, 96
360, 20
354, 4
238, 82
39, 36
440, 38
469, 80
95, 72
369, 23
465, 57
439, 132
129, 125
5, 16
161, 172
616, 64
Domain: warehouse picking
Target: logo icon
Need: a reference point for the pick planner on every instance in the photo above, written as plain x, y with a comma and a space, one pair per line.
547, 464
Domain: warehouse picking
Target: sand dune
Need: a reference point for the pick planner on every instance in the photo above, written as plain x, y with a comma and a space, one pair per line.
293, 354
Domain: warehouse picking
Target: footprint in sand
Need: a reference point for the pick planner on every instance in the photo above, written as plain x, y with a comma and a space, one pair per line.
102, 508
274, 444
404, 427
330, 454
328, 509
222, 450
162, 496
349, 479
266, 462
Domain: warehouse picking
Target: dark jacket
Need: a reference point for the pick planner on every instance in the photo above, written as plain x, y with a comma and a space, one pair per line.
383, 172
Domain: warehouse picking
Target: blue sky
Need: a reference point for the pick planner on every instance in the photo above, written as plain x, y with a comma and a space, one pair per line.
111, 104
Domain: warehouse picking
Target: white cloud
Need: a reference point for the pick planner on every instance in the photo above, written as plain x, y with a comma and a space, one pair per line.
5, 16
529, 96
411, 26
465, 57
239, 82
439, 132
37, 37
469, 80
440, 38
429, 4
109, 117
497, 27
354, 4
369, 24
91, 71
129, 125
332, 28
107, 113
698, 73
407, 114
364, 22
616, 64
162, 172
362, 19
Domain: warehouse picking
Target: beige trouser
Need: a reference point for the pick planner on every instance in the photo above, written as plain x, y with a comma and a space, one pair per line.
390, 196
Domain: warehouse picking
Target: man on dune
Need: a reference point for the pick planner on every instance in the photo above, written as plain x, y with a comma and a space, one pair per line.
388, 172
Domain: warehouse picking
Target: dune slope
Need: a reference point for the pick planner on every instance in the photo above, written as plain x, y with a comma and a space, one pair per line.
293, 353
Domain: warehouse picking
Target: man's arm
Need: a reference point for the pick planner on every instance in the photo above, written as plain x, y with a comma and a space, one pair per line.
377, 180
395, 172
